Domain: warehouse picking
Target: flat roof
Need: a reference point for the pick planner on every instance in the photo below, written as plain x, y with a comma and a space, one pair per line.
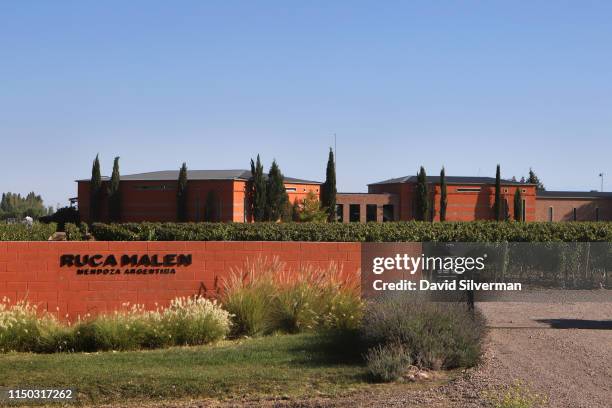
451, 180
572, 194
172, 175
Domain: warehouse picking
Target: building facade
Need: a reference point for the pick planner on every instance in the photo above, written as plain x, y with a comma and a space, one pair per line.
152, 197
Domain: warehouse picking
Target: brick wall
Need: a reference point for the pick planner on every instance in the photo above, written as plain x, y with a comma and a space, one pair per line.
563, 209
31, 270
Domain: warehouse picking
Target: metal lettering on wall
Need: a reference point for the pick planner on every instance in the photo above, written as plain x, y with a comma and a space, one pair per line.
145, 264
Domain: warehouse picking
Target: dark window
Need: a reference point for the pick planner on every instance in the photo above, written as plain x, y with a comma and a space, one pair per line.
550, 214
388, 213
597, 214
340, 212
371, 213
354, 212
468, 189
574, 213
524, 211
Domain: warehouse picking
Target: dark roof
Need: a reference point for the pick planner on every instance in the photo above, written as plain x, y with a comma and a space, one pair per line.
573, 194
450, 180
172, 175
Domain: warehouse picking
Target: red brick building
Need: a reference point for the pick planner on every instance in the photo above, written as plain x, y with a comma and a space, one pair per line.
573, 206
468, 198
152, 196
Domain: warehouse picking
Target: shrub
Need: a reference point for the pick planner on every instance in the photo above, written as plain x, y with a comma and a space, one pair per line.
247, 295
388, 362
438, 335
21, 232
411, 231
75, 232
264, 297
192, 321
19, 326
187, 321
121, 330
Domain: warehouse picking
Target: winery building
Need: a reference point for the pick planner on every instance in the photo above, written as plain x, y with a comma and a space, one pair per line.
152, 197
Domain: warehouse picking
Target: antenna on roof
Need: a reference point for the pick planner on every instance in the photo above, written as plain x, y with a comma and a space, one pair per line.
335, 151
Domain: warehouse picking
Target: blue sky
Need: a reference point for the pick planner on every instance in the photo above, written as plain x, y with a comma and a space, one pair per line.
402, 84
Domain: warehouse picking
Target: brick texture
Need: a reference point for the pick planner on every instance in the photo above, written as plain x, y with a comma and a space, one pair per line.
31, 270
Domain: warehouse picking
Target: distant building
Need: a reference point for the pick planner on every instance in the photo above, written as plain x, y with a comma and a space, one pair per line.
152, 197
468, 198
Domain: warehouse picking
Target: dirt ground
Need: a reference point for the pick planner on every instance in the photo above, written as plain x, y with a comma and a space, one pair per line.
559, 349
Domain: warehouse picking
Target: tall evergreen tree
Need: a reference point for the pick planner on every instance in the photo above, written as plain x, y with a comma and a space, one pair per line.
518, 205
533, 179
181, 195
328, 189
422, 196
497, 205
95, 191
258, 191
443, 195
114, 194
276, 193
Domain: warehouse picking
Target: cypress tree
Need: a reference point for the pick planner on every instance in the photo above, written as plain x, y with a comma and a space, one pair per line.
497, 205
534, 179
422, 196
443, 195
114, 194
258, 191
95, 190
275, 193
518, 205
181, 195
328, 189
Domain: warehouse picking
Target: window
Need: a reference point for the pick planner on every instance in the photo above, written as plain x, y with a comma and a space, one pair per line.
523, 190
468, 189
293, 189
596, 213
524, 212
340, 212
354, 212
505, 190
550, 214
388, 213
574, 214
371, 212
158, 187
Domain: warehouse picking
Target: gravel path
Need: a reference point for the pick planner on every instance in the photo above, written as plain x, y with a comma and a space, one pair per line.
561, 350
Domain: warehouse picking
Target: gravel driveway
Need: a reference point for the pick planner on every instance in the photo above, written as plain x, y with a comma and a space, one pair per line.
563, 350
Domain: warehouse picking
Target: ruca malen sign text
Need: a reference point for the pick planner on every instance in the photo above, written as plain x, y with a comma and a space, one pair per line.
145, 264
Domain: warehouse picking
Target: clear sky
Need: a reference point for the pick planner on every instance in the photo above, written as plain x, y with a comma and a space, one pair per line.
403, 84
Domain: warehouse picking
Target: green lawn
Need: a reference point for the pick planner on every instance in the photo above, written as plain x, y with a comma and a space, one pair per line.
288, 365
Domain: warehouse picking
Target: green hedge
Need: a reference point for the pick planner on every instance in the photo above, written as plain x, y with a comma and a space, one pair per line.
21, 232
412, 231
